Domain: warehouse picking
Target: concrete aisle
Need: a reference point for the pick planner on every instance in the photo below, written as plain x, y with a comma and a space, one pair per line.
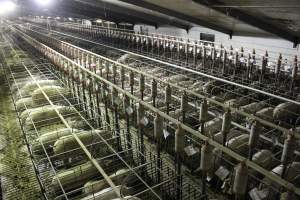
18, 180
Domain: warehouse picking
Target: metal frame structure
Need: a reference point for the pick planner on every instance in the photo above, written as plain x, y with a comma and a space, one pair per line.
190, 93
69, 68
252, 20
178, 15
50, 166
268, 69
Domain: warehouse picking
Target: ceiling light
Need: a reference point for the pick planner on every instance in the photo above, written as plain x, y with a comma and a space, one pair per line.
43, 2
108, 22
7, 7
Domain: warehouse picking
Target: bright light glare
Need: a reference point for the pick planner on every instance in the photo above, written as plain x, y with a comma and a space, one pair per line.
7, 7
43, 2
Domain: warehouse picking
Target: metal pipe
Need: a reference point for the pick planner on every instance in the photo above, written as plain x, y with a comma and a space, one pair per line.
193, 71
227, 151
88, 154
264, 122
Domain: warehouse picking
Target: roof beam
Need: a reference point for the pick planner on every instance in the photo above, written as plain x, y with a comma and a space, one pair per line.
249, 19
143, 17
94, 12
178, 15
70, 8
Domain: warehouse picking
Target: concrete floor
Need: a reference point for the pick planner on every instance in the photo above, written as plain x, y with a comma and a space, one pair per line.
18, 180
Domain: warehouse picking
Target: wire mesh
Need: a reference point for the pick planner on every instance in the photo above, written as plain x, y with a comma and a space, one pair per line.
61, 165
144, 152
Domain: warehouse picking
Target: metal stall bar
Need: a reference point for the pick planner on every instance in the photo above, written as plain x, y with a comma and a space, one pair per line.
237, 125
128, 166
264, 122
189, 70
95, 163
225, 150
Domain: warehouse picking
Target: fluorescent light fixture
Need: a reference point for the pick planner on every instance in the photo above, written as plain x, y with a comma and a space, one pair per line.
7, 7
125, 24
70, 19
108, 22
99, 21
43, 2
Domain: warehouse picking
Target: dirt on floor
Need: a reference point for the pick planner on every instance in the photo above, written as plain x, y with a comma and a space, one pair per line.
18, 180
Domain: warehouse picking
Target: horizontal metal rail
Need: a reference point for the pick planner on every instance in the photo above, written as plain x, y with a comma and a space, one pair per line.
75, 66
188, 70
113, 151
86, 151
213, 101
195, 106
158, 36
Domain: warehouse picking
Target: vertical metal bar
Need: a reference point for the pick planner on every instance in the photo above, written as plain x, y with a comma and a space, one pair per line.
158, 134
179, 149
168, 96
127, 110
115, 103
154, 92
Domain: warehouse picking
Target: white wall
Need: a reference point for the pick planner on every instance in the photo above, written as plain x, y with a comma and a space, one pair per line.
260, 44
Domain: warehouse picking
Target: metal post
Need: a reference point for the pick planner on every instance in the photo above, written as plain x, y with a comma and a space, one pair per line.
105, 100
142, 86
128, 111
240, 181
294, 73
168, 95
254, 137
154, 92
141, 124
226, 125
287, 155
206, 163
115, 102
158, 134
122, 76
179, 149
184, 106
203, 116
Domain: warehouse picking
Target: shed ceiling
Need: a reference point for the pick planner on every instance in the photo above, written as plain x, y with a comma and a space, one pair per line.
235, 17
